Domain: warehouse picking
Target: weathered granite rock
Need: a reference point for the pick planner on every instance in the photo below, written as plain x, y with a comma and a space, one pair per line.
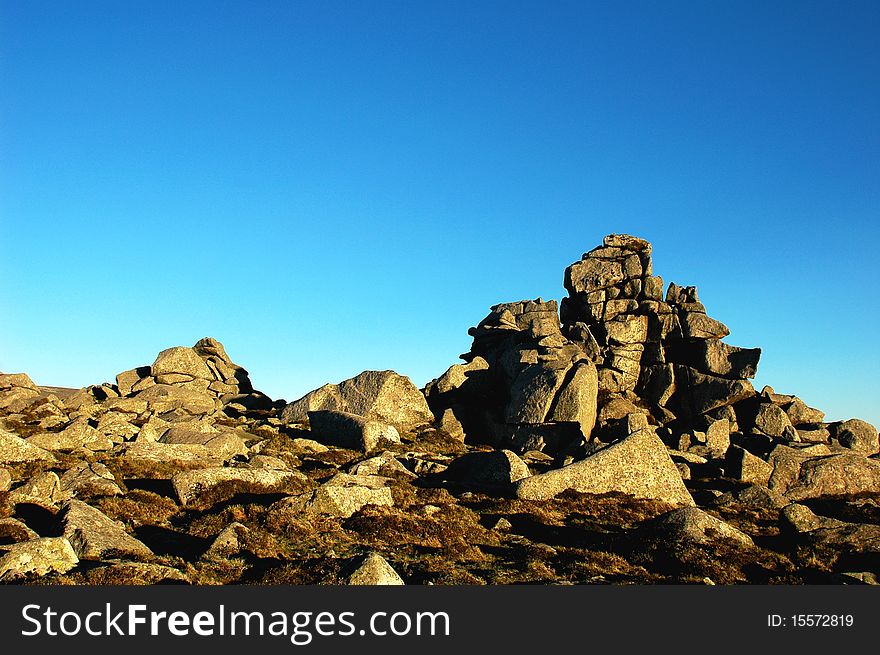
17, 391
152, 459
693, 525
126, 380
350, 430
699, 326
13, 531
495, 468
383, 464
88, 480
575, 402
5, 479
718, 438
15, 450
772, 420
182, 362
203, 488
639, 465
228, 542
381, 395
42, 489
857, 537
699, 393
799, 476
178, 401
800, 414
343, 495
746, 467
95, 536
79, 434
375, 570
223, 445
857, 435
715, 357
37, 557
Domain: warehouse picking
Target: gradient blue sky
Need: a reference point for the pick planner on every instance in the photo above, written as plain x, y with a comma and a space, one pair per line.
329, 187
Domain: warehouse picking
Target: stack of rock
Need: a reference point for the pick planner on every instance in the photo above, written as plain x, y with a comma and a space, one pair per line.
525, 385
186, 382
623, 357
665, 355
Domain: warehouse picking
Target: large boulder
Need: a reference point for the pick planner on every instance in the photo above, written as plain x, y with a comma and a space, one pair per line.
179, 364
857, 435
495, 468
350, 430
381, 395
799, 476
638, 465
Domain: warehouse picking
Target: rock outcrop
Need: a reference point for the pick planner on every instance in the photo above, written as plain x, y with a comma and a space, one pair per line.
613, 438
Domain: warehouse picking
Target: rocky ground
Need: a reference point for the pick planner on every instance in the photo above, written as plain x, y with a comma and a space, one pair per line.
614, 439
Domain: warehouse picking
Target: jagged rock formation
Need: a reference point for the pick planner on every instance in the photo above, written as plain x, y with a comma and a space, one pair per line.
615, 438
619, 350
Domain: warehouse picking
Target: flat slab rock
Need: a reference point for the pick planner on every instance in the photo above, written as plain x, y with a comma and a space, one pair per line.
15, 450
198, 488
95, 536
344, 494
37, 557
638, 465
799, 476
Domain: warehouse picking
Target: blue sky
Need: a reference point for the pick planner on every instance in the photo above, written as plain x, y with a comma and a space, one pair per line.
329, 187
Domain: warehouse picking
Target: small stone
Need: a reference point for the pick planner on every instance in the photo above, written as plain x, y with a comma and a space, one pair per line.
228, 543
37, 557
375, 570
746, 467
693, 525
718, 438
502, 525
